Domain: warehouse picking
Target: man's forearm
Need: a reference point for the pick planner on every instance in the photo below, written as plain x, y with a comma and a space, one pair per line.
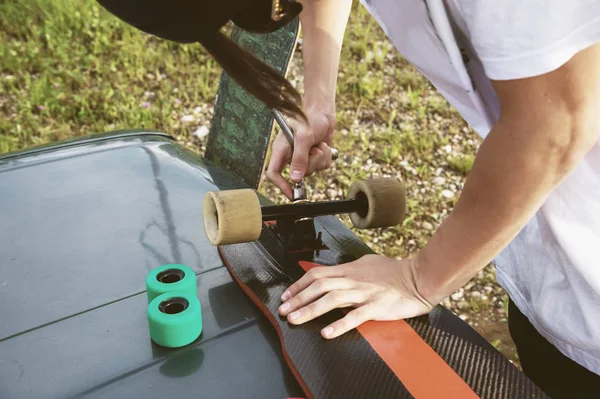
511, 177
323, 26
547, 127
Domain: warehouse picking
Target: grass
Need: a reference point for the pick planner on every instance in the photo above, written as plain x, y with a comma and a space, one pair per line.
69, 68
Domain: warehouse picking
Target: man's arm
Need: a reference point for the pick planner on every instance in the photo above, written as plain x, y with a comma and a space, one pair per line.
323, 26
547, 125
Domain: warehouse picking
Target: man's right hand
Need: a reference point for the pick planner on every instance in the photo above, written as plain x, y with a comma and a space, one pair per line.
311, 153
323, 27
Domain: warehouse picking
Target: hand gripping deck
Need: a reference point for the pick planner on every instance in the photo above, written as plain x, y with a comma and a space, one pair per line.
435, 355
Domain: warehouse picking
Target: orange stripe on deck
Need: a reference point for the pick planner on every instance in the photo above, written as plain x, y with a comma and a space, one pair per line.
422, 371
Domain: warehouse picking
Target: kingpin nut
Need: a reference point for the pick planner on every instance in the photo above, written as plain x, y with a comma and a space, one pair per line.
299, 192
334, 154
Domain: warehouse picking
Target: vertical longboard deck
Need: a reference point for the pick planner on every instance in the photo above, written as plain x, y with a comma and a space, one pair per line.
435, 355
241, 124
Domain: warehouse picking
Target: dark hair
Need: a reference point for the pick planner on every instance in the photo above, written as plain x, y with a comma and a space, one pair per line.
255, 76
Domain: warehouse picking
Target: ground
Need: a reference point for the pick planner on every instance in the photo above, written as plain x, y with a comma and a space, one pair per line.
68, 68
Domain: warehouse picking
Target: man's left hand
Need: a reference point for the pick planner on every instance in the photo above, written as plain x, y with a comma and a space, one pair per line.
378, 288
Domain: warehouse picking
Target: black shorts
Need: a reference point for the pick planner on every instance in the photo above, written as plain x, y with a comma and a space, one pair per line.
557, 375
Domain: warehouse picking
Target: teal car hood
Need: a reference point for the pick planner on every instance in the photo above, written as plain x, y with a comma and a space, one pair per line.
81, 224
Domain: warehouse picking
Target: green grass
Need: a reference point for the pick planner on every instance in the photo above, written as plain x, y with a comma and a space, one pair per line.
461, 164
69, 68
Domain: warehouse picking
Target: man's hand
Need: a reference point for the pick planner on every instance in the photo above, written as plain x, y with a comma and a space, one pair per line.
323, 26
378, 288
311, 153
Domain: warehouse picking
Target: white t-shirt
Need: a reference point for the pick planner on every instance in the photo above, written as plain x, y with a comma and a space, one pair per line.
552, 268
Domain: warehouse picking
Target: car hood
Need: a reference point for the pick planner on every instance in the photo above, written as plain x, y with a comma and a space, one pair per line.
82, 222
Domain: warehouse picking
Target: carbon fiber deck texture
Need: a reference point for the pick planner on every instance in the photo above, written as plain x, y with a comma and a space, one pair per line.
485, 369
345, 368
348, 367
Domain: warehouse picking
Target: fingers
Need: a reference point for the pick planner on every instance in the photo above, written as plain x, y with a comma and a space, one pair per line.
320, 158
279, 181
330, 301
279, 157
311, 151
352, 320
314, 291
309, 277
303, 142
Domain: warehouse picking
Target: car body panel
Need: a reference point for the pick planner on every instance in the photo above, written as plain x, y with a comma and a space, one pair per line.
81, 225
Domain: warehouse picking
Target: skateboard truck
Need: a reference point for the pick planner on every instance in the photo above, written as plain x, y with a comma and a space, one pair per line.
295, 223
236, 216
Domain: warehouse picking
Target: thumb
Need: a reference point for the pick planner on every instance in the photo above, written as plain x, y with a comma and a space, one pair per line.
303, 143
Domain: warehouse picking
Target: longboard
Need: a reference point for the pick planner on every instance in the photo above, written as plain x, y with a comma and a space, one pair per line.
435, 355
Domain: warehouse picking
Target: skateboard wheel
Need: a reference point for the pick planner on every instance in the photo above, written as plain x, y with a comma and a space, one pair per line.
170, 278
232, 216
175, 319
387, 203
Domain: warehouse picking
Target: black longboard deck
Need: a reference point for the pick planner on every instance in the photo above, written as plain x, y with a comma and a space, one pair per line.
350, 366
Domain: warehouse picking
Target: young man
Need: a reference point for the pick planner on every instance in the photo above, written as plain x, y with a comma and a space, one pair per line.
529, 83
526, 77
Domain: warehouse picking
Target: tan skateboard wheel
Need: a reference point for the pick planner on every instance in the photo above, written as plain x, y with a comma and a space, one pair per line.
387, 202
232, 216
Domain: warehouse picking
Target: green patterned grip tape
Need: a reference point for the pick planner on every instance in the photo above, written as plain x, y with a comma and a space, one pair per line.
241, 127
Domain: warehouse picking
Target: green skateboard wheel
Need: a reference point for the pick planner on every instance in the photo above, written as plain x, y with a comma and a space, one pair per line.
175, 319
170, 278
